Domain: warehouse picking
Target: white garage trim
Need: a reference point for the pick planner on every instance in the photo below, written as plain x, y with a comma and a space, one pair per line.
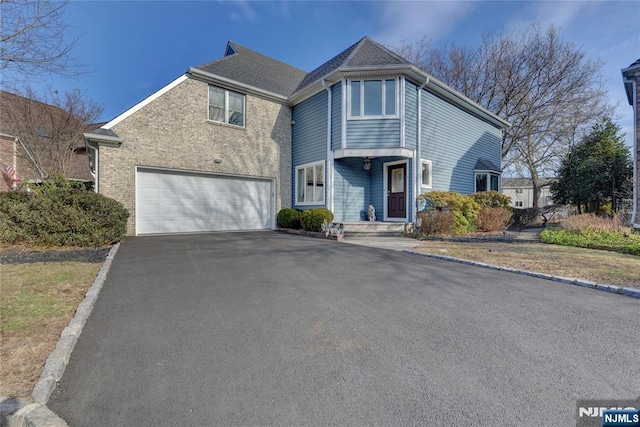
185, 201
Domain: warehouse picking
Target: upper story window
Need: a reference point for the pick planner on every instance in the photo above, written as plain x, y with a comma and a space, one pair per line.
226, 106
373, 98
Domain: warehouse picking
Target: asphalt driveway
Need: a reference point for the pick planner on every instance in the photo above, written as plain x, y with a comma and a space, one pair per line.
273, 329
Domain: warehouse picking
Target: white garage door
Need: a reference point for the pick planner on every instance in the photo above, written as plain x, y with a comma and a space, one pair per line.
182, 202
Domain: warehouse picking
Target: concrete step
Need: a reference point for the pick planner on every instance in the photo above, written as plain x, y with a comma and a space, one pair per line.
375, 228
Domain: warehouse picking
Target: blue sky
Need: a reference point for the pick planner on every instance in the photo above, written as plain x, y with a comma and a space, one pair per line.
135, 48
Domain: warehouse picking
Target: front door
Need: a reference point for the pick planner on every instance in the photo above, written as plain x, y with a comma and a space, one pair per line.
397, 191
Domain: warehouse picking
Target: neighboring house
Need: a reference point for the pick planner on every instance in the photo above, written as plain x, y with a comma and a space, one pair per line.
229, 143
521, 192
20, 129
631, 78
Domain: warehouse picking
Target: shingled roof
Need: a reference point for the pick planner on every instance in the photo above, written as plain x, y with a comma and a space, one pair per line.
254, 69
484, 164
363, 53
628, 73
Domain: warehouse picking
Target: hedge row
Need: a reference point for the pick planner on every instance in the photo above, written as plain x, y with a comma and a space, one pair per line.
309, 219
60, 214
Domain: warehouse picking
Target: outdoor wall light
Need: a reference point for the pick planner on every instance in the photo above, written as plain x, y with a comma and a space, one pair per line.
217, 161
367, 164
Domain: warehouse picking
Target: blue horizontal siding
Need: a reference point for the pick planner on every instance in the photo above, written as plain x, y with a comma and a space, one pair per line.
411, 115
374, 133
351, 190
336, 116
454, 140
309, 135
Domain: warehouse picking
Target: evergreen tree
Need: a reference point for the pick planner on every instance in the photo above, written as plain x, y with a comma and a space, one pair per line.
596, 171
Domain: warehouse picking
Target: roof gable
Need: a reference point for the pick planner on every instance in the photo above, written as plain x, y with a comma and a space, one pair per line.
364, 53
254, 69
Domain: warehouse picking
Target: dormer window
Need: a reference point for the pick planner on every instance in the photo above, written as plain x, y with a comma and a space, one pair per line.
373, 98
226, 106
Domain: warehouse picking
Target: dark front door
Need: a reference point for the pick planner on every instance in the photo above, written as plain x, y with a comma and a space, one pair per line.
397, 191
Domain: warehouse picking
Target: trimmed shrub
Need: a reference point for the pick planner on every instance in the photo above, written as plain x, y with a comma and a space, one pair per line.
289, 218
56, 214
312, 219
464, 208
492, 199
436, 222
611, 241
493, 218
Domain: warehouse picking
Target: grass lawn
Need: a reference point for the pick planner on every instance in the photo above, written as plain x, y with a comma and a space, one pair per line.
37, 302
588, 264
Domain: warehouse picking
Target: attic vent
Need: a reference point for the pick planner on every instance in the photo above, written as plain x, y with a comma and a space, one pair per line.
230, 50
42, 132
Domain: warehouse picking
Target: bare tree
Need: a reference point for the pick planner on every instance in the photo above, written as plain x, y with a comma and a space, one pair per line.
51, 129
34, 40
546, 87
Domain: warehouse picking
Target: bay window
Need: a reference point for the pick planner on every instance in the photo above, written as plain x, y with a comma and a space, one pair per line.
373, 98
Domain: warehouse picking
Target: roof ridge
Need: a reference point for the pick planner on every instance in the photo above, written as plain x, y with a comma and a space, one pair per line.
357, 45
263, 55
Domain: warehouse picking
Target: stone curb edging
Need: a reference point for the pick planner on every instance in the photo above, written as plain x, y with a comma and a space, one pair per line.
19, 413
630, 292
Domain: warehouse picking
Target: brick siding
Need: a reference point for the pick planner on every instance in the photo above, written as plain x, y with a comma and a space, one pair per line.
173, 132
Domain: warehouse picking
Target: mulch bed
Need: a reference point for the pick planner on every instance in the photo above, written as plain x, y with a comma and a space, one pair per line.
23, 255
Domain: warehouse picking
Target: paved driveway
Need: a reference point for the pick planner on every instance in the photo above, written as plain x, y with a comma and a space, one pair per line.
272, 329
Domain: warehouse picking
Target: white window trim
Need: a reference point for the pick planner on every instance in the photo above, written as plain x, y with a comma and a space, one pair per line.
384, 94
430, 163
488, 174
305, 166
226, 107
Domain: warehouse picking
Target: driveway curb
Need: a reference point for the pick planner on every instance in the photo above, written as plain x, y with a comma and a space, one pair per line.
630, 292
19, 413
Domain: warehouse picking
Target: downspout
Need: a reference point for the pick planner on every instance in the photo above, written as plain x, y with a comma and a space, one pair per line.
329, 177
418, 161
634, 216
91, 148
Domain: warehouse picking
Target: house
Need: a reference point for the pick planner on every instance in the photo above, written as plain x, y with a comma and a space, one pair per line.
26, 151
631, 78
521, 192
231, 142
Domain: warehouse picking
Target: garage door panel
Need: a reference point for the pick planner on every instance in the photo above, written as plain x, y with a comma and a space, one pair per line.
176, 202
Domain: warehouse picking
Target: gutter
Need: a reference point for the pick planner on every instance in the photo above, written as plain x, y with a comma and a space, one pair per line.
232, 84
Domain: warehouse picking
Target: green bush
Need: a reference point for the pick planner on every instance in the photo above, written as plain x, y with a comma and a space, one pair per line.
312, 219
492, 199
626, 243
289, 218
57, 214
464, 208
